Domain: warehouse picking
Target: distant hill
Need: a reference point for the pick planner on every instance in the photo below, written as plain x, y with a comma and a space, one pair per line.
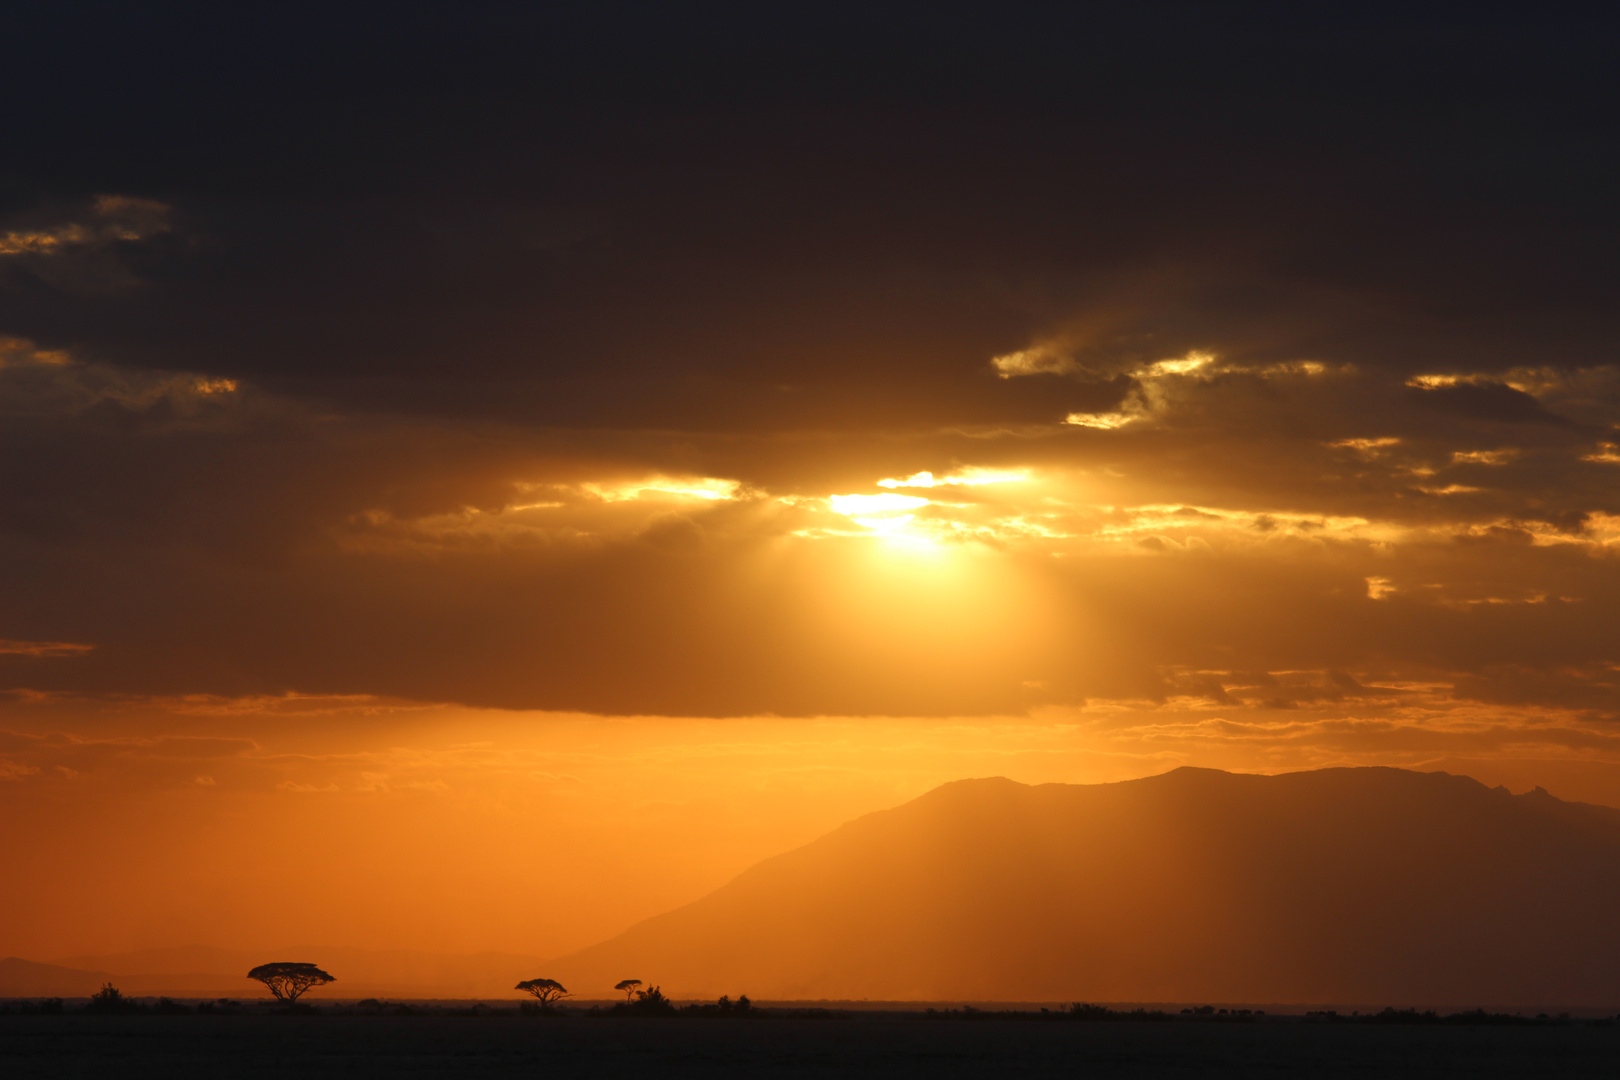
24, 978
204, 970
1344, 885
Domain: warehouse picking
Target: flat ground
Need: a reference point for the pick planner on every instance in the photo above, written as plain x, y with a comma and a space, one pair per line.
248, 1046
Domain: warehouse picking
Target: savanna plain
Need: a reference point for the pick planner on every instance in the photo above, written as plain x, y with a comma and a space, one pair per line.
837, 1043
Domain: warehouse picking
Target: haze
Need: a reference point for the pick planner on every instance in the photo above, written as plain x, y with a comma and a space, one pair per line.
475, 483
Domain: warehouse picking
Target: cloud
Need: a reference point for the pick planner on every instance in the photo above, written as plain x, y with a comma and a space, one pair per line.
36, 382
11, 770
43, 648
109, 219
1165, 385
922, 396
256, 547
83, 251
1036, 360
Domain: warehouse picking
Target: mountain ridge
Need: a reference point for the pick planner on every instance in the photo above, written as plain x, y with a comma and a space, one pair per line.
28, 978
1343, 884
1328, 885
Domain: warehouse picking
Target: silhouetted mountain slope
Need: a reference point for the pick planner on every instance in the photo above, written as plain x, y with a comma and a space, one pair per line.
24, 978
1364, 885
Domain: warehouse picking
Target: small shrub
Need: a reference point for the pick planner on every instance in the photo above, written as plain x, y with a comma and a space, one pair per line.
1081, 1010
109, 999
650, 1002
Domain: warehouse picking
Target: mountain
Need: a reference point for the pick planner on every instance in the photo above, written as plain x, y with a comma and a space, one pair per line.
24, 978
1367, 885
206, 971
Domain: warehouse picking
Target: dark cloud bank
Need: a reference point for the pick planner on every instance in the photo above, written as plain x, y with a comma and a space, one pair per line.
328, 336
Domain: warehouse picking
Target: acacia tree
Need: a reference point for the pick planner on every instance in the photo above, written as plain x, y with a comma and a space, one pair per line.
547, 990
629, 986
288, 981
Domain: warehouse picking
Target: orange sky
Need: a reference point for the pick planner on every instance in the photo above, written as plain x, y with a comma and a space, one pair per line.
1270, 602
476, 482
261, 823
743, 654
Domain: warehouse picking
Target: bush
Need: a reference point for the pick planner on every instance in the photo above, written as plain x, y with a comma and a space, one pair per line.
741, 1009
648, 1003
109, 999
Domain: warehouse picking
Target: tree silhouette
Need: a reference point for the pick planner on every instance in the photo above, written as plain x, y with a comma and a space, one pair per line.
629, 986
547, 990
288, 981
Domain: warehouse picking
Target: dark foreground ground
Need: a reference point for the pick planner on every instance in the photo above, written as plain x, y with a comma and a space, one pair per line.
248, 1046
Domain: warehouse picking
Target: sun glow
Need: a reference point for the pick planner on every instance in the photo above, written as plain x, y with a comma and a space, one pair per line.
887, 515
867, 505
886, 526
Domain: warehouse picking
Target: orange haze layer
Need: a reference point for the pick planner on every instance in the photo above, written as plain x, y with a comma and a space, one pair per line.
262, 823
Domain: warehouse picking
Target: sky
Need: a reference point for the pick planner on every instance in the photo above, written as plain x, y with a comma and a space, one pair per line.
473, 480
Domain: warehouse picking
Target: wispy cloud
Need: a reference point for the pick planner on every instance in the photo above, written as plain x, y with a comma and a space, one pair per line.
43, 648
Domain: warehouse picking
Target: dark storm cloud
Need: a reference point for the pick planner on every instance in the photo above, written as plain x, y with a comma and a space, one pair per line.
711, 218
332, 342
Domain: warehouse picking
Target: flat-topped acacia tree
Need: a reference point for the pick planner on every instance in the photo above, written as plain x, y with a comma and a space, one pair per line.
549, 991
288, 981
629, 986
